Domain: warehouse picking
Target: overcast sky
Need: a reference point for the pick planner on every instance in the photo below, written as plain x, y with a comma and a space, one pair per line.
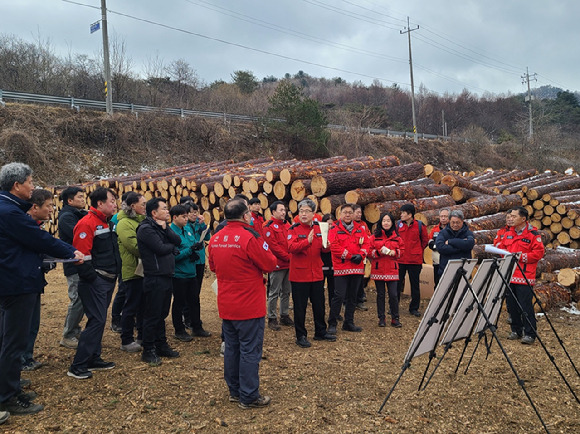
480, 45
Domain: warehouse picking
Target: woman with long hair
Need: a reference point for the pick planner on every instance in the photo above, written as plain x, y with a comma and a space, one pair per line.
386, 249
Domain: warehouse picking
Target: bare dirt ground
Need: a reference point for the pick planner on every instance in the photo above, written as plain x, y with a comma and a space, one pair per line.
331, 387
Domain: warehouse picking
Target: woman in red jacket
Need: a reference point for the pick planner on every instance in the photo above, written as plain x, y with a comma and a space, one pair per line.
386, 248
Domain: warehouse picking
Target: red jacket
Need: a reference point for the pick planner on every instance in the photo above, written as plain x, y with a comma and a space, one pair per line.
345, 244
275, 232
385, 267
258, 222
529, 243
414, 242
239, 256
305, 260
500, 234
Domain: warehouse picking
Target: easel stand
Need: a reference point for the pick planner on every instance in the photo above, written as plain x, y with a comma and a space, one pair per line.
471, 316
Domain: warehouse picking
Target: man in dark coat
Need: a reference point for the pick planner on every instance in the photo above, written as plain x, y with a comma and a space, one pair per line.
21, 279
157, 244
455, 241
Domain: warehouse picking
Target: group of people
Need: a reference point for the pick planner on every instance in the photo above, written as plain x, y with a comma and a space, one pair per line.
157, 255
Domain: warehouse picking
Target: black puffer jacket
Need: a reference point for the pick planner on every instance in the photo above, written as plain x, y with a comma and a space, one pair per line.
157, 247
68, 217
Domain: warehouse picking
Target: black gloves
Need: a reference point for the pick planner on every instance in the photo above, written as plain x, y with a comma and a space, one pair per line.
198, 246
356, 259
193, 256
432, 245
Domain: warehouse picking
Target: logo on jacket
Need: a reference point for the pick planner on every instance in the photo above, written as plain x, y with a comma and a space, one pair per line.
276, 226
226, 238
268, 233
237, 238
400, 224
82, 235
265, 245
289, 236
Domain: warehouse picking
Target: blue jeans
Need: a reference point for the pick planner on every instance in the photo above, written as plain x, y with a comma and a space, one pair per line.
16, 314
96, 297
34, 326
242, 357
75, 311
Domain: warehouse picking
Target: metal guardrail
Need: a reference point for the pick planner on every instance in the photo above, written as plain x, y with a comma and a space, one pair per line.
77, 103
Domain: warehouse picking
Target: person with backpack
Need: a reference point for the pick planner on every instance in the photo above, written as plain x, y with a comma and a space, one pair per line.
413, 233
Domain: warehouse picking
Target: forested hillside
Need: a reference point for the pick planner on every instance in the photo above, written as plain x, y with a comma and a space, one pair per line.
496, 126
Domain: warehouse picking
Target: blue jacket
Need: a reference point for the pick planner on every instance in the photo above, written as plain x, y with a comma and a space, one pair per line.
198, 228
22, 246
184, 266
459, 246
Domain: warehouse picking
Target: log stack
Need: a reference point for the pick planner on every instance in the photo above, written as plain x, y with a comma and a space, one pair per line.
378, 185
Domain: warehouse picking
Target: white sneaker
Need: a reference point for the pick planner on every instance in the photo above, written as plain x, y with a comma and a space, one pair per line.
71, 343
223, 349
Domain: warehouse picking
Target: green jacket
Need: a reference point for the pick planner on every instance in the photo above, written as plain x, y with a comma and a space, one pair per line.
184, 266
127, 236
198, 228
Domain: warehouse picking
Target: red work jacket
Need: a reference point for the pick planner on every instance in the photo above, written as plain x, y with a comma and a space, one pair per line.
345, 244
275, 232
305, 260
414, 242
239, 257
529, 244
385, 267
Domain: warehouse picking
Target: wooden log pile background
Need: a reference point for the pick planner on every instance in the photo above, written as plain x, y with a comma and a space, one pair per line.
383, 184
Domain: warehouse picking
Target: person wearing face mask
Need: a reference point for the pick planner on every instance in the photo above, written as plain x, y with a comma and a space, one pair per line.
129, 218
443, 221
386, 249
306, 276
349, 245
455, 241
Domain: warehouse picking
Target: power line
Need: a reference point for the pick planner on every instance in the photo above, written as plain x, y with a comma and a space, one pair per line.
223, 41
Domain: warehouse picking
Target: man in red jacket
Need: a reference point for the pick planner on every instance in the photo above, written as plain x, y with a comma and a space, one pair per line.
522, 238
306, 276
239, 256
349, 245
415, 239
257, 218
275, 233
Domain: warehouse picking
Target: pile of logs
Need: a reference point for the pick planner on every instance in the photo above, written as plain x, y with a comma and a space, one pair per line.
378, 185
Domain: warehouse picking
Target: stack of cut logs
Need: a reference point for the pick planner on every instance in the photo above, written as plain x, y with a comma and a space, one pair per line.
379, 185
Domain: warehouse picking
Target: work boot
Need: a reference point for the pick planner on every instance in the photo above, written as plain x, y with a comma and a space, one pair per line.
514, 336
351, 328
362, 306
262, 401
20, 405
273, 324
303, 342
528, 340
286, 320
71, 343
151, 357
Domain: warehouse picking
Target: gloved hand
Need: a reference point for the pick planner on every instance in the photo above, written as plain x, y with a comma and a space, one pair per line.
356, 259
198, 246
193, 256
432, 245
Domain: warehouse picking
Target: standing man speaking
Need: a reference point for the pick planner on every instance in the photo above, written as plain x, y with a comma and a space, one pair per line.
239, 257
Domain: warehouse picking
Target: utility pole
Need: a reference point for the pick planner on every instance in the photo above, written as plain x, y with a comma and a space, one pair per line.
527, 78
408, 32
108, 96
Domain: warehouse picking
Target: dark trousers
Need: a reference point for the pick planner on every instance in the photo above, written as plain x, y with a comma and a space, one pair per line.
118, 302
96, 297
15, 315
524, 295
242, 357
436, 275
345, 288
157, 292
392, 289
132, 314
34, 326
185, 294
301, 293
414, 273
329, 276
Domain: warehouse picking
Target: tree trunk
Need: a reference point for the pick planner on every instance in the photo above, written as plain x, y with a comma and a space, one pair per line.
507, 178
479, 207
300, 189
564, 184
453, 180
551, 295
341, 182
394, 192
487, 222
329, 204
558, 259
460, 194
373, 211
